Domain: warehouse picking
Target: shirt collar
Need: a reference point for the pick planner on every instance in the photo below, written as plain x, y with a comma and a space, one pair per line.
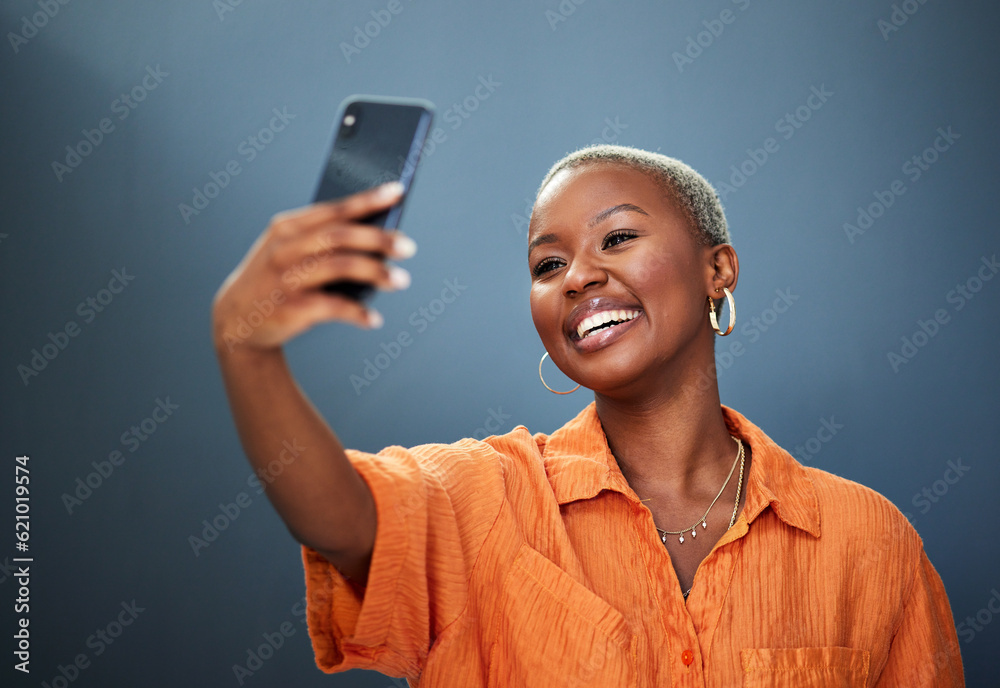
579, 465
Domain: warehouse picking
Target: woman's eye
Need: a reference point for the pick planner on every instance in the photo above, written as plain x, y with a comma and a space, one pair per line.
545, 266
615, 238
618, 237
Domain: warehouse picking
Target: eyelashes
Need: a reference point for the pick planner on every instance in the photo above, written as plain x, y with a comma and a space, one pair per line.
615, 238
618, 234
543, 267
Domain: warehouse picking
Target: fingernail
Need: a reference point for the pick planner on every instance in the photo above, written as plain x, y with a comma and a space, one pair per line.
391, 189
403, 246
398, 277
375, 320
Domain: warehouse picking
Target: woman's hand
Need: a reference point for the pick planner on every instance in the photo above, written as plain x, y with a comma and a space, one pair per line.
276, 293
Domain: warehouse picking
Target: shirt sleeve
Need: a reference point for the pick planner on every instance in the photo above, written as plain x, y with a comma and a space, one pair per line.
925, 650
435, 505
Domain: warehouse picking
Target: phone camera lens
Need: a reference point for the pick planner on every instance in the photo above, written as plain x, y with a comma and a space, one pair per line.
350, 122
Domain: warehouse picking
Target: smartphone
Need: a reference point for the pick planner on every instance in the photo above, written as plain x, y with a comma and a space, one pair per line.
377, 140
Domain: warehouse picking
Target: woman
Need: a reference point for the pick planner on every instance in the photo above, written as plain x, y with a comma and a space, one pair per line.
658, 538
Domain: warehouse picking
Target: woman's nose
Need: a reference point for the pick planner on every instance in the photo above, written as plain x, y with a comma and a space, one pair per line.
582, 273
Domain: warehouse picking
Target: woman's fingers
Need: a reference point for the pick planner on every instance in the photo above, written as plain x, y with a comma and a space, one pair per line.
334, 239
355, 207
317, 307
356, 267
360, 205
275, 293
346, 252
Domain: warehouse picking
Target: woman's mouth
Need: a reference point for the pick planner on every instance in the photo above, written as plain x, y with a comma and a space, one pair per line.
604, 320
604, 328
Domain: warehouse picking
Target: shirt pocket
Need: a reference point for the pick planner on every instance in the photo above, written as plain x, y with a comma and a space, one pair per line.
805, 667
553, 631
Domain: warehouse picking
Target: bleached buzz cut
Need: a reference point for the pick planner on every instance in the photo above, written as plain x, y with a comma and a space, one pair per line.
693, 194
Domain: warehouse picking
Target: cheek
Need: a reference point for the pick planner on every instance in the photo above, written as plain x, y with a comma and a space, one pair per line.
651, 272
537, 307
666, 283
544, 313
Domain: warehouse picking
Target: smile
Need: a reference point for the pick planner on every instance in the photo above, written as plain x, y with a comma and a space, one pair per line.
603, 329
602, 321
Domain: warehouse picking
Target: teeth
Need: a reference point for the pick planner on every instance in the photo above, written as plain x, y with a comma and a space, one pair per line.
603, 318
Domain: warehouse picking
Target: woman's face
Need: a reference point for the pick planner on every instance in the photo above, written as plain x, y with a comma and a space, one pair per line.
605, 242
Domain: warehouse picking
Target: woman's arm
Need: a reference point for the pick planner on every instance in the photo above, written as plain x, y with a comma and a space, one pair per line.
925, 650
318, 494
322, 499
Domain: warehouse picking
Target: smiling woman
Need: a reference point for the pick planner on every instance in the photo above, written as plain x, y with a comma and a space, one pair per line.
657, 539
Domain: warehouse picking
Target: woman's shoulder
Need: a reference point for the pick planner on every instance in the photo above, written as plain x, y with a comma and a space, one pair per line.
516, 444
850, 509
837, 490
517, 454
845, 506
463, 459
522, 450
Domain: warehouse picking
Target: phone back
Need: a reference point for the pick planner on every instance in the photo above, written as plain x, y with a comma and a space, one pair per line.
378, 141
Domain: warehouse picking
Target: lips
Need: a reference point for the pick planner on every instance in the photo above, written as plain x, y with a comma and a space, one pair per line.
595, 321
605, 319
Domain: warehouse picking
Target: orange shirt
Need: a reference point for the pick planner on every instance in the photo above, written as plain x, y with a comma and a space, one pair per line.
527, 560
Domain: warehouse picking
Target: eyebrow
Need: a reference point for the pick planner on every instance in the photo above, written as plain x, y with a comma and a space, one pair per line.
597, 219
620, 208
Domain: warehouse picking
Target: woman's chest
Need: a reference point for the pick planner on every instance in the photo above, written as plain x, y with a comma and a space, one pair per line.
600, 608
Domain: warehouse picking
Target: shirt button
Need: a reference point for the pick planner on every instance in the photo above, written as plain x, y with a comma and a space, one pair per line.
687, 657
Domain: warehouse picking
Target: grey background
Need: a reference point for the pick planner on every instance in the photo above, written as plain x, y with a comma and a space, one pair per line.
559, 83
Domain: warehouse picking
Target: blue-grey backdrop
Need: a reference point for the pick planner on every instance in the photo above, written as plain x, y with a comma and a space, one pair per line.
854, 144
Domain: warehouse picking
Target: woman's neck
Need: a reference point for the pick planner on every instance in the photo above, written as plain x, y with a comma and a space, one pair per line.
673, 444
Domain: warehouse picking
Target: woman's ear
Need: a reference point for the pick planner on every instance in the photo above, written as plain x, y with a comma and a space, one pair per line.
724, 269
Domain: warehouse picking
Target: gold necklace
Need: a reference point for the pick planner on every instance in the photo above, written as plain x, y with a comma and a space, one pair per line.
703, 520
736, 506
739, 489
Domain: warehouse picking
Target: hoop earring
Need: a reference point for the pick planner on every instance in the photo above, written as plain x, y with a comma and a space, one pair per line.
732, 313
543, 379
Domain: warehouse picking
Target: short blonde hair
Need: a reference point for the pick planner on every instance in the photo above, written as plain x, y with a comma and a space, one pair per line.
692, 192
